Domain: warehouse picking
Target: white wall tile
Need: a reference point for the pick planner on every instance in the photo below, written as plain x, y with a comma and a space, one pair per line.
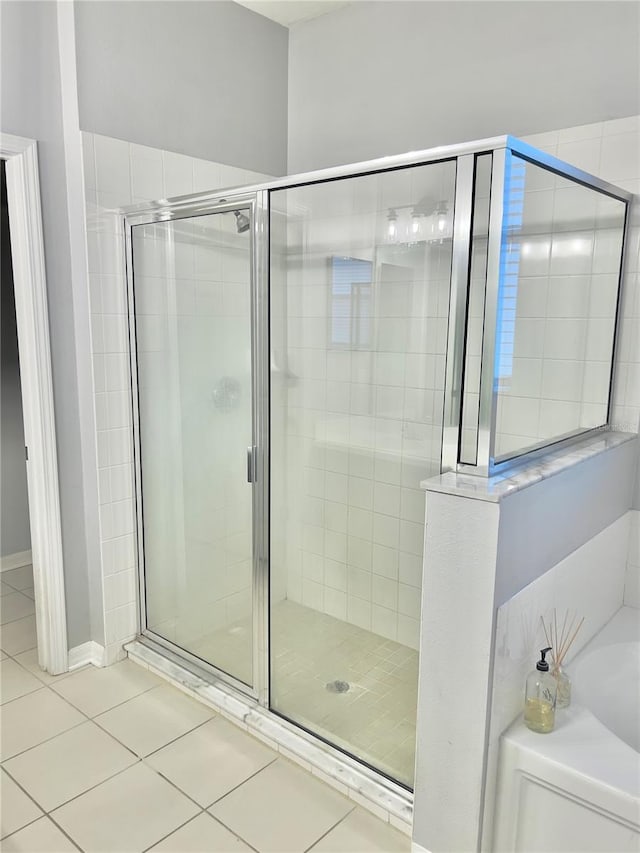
620, 157
147, 178
113, 173
178, 174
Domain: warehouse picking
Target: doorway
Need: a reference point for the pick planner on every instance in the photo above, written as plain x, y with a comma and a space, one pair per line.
16, 579
20, 161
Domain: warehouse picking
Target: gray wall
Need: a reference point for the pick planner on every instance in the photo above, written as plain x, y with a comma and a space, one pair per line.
14, 507
543, 524
30, 106
208, 79
378, 78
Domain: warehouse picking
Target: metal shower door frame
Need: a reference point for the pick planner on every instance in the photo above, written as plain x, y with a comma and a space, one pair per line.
256, 202
257, 198
486, 463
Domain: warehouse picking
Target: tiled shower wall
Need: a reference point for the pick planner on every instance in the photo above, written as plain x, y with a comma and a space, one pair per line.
358, 424
611, 150
117, 174
363, 428
565, 282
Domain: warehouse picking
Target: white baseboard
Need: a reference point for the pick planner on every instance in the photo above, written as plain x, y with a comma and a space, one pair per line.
90, 652
15, 561
417, 848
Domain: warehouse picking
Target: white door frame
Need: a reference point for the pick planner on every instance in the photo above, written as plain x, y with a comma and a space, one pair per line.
32, 320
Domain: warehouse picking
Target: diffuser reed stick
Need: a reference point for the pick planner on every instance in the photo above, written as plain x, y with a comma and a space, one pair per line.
561, 642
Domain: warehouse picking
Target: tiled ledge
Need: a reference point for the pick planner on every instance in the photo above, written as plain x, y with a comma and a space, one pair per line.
494, 489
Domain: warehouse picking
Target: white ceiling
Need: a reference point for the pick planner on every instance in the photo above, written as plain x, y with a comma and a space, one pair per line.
287, 12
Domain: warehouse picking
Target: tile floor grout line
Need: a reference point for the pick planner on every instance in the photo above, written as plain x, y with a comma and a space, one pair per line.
117, 740
44, 812
29, 672
20, 828
26, 693
3, 761
24, 790
106, 710
21, 652
75, 796
62, 698
138, 760
64, 832
233, 831
86, 720
324, 835
15, 589
173, 740
131, 750
164, 837
176, 786
17, 619
240, 784
97, 785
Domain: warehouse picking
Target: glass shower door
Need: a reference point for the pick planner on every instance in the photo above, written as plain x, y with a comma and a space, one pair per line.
192, 307
360, 283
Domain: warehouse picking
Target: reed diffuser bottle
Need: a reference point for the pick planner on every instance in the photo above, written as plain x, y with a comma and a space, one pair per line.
540, 697
561, 642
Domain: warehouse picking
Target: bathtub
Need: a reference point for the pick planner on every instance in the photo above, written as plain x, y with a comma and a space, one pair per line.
577, 789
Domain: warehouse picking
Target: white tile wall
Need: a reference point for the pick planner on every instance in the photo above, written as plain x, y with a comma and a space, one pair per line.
117, 174
358, 428
566, 300
610, 150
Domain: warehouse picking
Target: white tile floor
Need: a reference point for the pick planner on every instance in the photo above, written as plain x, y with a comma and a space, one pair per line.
116, 760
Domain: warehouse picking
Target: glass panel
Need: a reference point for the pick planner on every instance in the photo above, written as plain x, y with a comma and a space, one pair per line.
475, 310
193, 324
558, 295
360, 280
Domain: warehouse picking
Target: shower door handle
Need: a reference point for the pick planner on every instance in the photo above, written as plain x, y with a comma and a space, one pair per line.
251, 464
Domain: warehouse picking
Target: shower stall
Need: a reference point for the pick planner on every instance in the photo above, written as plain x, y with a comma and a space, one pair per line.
304, 354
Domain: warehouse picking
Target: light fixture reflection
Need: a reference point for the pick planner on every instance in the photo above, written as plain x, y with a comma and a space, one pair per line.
440, 221
425, 222
392, 226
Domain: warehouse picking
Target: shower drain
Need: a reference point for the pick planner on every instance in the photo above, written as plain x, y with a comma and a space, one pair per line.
338, 686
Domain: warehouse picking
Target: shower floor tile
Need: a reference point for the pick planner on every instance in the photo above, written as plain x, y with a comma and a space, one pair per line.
375, 720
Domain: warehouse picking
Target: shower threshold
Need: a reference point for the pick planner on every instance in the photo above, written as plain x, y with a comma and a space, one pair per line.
371, 790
